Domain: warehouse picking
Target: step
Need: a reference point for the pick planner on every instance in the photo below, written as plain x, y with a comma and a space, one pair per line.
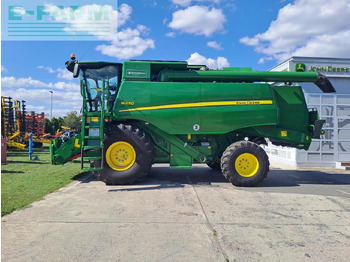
92, 147
92, 158
92, 137
92, 168
93, 113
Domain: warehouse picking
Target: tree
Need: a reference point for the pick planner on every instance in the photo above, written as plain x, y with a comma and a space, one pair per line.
60, 122
48, 126
55, 125
73, 120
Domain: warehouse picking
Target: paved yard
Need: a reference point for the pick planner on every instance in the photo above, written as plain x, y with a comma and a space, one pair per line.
187, 215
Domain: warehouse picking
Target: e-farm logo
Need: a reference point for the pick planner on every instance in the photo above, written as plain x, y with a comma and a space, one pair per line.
66, 20
300, 67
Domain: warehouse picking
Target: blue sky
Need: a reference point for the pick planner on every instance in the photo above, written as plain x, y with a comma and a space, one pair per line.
241, 33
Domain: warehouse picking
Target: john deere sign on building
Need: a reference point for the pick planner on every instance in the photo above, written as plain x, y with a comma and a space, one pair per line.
301, 67
329, 69
334, 145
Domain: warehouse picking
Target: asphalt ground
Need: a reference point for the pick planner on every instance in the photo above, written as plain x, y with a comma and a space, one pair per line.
187, 215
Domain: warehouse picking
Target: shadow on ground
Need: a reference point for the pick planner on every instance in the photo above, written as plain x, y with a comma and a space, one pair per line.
11, 172
37, 162
288, 181
289, 178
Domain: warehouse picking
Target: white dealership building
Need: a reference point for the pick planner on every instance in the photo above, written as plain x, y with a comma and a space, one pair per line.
334, 146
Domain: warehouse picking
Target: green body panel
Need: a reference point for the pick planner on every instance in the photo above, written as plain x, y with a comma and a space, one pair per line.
292, 108
179, 159
143, 70
191, 114
232, 75
61, 151
179, 150
157, 103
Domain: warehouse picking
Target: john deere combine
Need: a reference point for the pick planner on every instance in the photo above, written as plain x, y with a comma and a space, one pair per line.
139, 113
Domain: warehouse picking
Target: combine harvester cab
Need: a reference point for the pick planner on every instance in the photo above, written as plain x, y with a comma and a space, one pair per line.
143, 112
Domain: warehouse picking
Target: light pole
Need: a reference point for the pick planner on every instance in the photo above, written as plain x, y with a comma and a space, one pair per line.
51, 111
51, 106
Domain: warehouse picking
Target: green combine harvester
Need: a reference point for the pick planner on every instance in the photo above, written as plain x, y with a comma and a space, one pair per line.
140, 113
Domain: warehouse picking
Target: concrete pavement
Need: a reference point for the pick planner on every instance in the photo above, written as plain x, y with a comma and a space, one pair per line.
187, 215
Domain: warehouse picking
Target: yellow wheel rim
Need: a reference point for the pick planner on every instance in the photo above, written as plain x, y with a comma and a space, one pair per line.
120, 156
247, 165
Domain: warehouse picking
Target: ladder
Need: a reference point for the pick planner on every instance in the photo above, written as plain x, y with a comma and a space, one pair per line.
92, 132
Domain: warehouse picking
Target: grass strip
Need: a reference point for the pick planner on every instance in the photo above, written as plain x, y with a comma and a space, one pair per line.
24, 181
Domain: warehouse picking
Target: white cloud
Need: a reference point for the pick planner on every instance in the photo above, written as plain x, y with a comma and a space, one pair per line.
63, 73
337, 45
115, 18
95, 13
35, 108
47, 68
263, 59
198, 20
36, 93
306, 28
183, 3
123, 14
127, 43
33, 85
10, 81
215, 45
197, 59
39, 100
3, 69
250, 41
67, 86
171, 34
123, 44
186, 3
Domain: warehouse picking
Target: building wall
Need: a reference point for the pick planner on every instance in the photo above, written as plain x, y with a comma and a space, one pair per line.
334, 145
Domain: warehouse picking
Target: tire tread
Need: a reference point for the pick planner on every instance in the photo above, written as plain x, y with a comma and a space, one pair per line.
143, 143
230, 174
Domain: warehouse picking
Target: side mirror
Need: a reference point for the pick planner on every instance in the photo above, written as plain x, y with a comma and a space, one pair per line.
70, 65
76, 70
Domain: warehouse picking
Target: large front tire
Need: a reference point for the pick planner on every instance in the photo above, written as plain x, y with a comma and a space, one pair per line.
245, 164
128, 155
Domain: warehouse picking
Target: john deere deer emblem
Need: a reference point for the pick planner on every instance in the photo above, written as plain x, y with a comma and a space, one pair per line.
300, 67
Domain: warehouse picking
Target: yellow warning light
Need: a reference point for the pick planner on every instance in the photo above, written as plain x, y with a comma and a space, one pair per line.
322, 132
72, 56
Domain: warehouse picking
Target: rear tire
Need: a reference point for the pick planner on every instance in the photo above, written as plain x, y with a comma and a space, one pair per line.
245, 164
128, 155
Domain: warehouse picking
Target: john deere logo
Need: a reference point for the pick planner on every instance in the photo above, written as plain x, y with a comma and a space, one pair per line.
300, 67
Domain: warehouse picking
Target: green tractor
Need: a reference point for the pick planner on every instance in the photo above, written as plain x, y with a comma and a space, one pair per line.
140, 113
